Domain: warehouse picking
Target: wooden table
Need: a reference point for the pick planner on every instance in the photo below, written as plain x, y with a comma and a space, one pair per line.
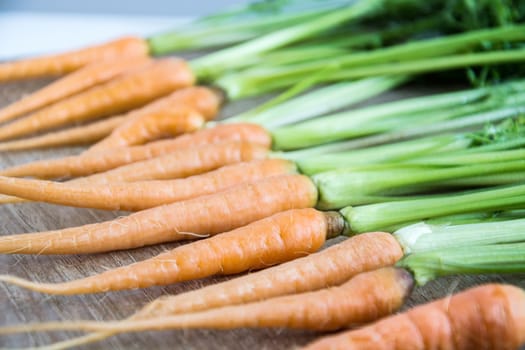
20, 306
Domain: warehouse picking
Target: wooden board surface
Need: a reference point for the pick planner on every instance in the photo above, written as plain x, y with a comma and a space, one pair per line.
20, 306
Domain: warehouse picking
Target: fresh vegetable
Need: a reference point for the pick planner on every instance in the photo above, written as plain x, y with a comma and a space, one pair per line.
489, 316
116, 96
330, 267
320, 310
170, 116
71, 61
94, 162
77, 135
278, 238
92, 74
141, 195
188, 219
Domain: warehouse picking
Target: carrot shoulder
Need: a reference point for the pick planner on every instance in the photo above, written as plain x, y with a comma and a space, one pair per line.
92, 74
487, 317
269, 241
169, 116
143, 194
94, 162
116, 96
205, 215
73, 60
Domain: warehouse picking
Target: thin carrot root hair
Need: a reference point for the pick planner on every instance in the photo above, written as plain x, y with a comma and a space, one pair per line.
86, 77
205, 215
486, 317
129, 91
329, 267
142, 194
90, 163
142, 127
70, 61
179, 164
266, 242
362, 299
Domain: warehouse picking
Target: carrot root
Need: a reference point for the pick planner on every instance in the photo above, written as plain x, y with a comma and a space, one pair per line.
273, 240
73, 60
91, 75
90, 163
205, 215
329, 267
362, 299
119, 95
143, 194
163, 117
78, 135
486, 317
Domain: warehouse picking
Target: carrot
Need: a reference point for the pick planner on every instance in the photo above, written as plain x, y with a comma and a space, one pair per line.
73, 60
78, 135
92, 74
486, 317
143, 194
178, 164
362, 299
96, 162
269, 241
329, 267
145, 127
118, 95
205, 215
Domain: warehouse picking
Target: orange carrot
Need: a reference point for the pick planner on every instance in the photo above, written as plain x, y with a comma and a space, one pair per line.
486, 317
205, 215
116, 96
78, 135
362, 299
273, 240
92, 74
329, 267
205, 101
93, 162
143, 194
71, 61
178, 164
144, 127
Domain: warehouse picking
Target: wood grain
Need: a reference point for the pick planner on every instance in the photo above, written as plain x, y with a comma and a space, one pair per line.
20, 306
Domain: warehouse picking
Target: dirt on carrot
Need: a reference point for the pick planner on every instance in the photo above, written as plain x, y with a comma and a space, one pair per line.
119, 95
63, 63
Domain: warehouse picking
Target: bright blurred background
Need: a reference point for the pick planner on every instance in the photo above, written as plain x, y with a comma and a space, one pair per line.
29, 27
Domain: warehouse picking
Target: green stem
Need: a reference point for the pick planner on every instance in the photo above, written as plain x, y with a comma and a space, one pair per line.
433, 64
383, 215
343, 187
313, 163
472, 157
422, 237
413, 57
409, 132
351, 124
218, 62
496, 258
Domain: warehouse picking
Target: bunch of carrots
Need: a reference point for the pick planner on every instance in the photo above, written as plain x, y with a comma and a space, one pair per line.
253, 190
